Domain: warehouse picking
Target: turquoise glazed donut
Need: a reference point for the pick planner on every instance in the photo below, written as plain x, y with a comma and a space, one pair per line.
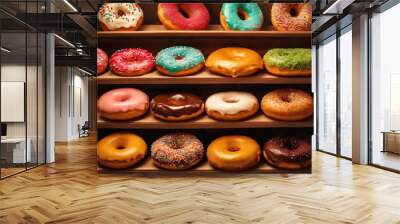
231, 20
179, 61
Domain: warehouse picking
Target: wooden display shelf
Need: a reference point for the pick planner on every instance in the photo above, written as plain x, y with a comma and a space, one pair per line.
212, 31
204, 77
204, 122
148, 167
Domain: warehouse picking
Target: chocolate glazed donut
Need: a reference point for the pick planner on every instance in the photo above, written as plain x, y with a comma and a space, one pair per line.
177, 106
288, 152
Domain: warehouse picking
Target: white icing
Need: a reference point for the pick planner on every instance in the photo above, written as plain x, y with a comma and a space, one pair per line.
132, 15
231, 102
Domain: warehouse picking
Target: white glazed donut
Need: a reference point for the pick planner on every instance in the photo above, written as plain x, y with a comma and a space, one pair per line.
120, 16
231, 105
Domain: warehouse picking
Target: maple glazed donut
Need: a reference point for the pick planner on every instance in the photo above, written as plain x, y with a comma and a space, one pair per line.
288, 61
178, 151
123, 104
121, 150
233, 153
102, 61
288, 152
241, 16
132, 62
291, 16
195, 17
232, 105
177, 106
288, 104
179, 61
120, 16
234, 61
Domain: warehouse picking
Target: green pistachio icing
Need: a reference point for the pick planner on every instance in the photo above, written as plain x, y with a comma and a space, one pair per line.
231, 13
178, 58
290, 58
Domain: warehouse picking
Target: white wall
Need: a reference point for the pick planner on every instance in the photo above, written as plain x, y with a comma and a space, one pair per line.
71, 103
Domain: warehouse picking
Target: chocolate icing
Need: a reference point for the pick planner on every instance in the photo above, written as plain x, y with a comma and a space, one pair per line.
176, 104
288, 149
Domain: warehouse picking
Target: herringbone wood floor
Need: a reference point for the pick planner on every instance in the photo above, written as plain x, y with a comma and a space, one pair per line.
71, 191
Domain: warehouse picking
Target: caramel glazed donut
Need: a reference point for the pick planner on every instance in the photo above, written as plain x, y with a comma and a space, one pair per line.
178, 151
288, 152
234, 61
233, 153
288, 104
177, 106
121, 150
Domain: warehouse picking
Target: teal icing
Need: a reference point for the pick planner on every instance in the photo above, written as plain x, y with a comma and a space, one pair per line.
190, 57
253, 22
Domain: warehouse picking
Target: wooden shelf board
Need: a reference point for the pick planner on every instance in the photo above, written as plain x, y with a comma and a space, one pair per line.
213, 31
204, 122
204, 77
204, 167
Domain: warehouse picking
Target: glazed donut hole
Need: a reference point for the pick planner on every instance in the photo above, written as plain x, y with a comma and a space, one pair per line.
183, 12
286, 97
121, 12
293, 12
242, 14
230, 99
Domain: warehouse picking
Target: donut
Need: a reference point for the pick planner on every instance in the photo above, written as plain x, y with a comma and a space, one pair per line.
179, 61
177, 106
288, 152
241, 16
121, 150
102, 61
291, 16
288, 62
132, 62
178, 151
185, 16
120, 16
123, 104
234, 62
233, 153
288, 104
231, 105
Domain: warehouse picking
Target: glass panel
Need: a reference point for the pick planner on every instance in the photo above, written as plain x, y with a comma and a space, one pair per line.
327, 96
346, 94
14, 153
32, 87
31, 99
385, 89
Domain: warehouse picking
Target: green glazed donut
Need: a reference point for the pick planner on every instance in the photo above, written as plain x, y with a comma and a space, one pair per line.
288, 61
179, 60
231, 20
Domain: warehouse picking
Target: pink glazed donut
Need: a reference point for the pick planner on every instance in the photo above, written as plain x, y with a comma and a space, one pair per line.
195, 17
123, 104
132, 62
